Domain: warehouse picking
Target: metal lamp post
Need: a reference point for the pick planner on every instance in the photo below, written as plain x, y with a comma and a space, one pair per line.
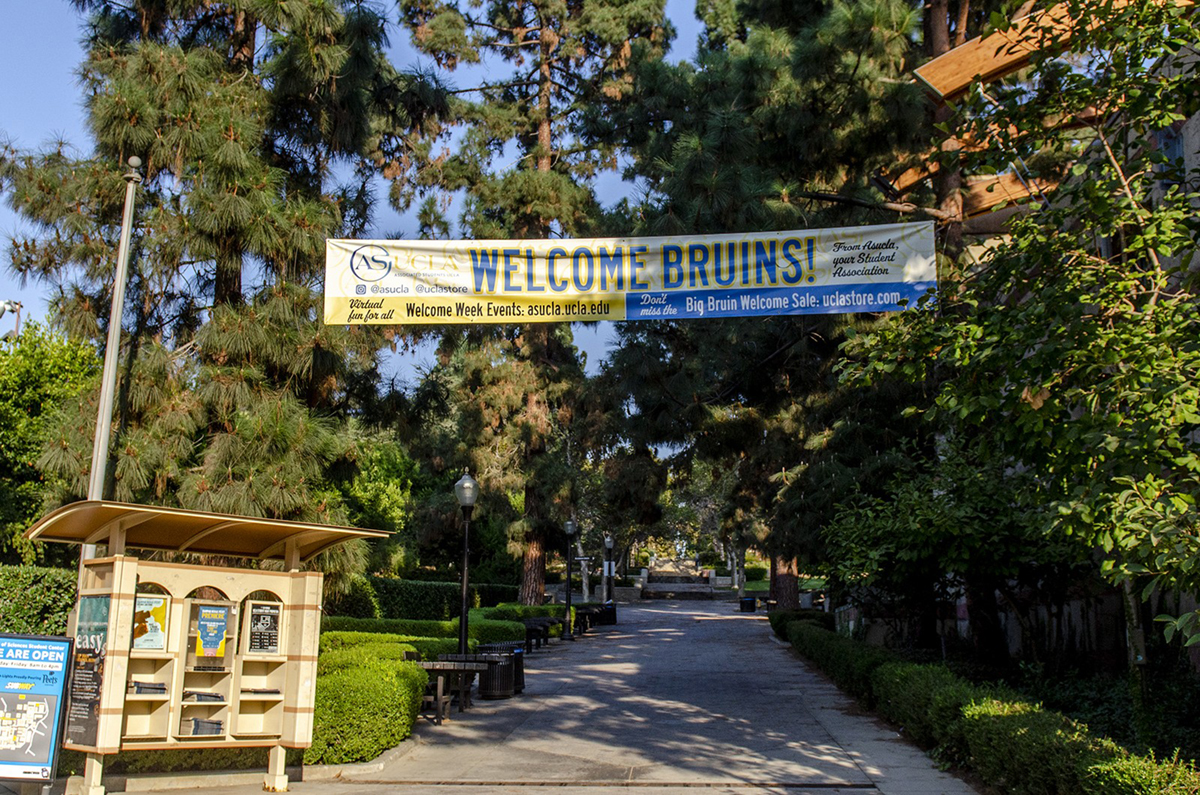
108, 384
467, 492
608, 567
569, 527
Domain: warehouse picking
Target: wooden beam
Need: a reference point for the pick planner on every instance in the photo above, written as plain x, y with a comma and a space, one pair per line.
982, 194
989, 58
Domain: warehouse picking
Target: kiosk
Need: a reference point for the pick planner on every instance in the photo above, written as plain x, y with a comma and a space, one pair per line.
171, 655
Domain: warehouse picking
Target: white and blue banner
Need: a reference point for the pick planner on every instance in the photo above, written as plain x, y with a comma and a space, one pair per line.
805, 272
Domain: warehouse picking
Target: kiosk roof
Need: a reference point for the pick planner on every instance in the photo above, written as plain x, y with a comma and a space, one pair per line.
180, 530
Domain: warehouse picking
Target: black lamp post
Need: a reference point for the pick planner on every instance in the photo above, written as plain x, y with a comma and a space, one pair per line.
608, 567
569, 527
467, 492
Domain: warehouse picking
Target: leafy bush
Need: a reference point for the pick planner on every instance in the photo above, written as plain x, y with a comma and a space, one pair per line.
1138, 775
491, 631
353, 655
1026, 750
428, 648
781, 618
509, 611
927, 700
395, 626
363, 710
757, 573
439, 601
849, 663
491, 594
36, 600
358, 601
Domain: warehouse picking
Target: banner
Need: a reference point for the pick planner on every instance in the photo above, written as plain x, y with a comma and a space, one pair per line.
820, 271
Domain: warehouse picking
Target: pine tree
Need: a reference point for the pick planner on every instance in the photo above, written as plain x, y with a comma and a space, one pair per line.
233, 396
560, 56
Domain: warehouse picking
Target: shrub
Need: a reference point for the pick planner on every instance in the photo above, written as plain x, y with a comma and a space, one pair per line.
756, 573
781, 618
394, 626
490, 631
358, 601
927, 700
1026, 750
354, 655
428, 648
491, 594
847, 662
1138, 775
364, 710
438, 601
36, 600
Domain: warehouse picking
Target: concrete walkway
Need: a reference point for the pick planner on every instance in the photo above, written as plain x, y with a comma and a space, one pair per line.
680, 697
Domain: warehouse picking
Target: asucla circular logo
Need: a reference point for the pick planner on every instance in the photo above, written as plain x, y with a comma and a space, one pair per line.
370, 263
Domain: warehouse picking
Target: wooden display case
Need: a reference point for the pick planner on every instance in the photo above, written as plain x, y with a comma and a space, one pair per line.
192, 656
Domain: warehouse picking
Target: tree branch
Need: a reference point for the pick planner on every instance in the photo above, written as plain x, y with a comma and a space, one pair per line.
896, 207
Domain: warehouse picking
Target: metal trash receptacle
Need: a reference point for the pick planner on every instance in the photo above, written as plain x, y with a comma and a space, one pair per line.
749, 604
498, 680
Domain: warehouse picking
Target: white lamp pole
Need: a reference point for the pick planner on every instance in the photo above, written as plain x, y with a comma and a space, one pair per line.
108, 386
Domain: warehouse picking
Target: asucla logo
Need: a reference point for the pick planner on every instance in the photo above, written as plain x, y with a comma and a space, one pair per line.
370, 263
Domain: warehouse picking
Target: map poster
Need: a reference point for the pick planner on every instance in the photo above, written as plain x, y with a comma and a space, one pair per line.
150, 622
87, 674
33, 684
211, 623
264, 628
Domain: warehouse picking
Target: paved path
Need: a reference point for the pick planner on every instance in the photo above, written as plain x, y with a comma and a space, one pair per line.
679, 698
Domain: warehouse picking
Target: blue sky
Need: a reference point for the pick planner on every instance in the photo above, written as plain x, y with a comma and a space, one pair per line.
41, 102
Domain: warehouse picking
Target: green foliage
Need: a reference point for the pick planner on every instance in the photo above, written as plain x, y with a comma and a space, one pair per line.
334, 642
39, 372
399, 626
756, 572
364, 709
415, 599
487, 630
381, 497
1013, 745
357, 600
780, 619
1098, 412
1027, 750
36, 600
849, 663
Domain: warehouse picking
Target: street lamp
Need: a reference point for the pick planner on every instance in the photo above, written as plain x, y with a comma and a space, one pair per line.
608, 567
467, 492
569, 527
112, 350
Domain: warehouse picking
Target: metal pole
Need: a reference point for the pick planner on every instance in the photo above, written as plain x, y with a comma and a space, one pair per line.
462, 615
568, 634
608, 594
108, 386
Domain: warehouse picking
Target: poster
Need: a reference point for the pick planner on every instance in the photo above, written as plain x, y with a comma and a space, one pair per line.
33, 683
87, 674
150, 622
264, 628
211, 624
883, 268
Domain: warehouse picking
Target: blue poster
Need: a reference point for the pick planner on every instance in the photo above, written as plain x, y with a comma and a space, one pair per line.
33, 683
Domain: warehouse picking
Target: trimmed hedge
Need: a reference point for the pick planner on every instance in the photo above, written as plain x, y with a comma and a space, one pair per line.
437, 601
1013, 745
781, 618
36, 600
394, 626
358, 601
429, 648
364, 709
849, 663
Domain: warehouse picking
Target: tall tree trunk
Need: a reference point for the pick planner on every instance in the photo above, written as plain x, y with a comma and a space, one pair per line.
533, 570
787, 584
227, 289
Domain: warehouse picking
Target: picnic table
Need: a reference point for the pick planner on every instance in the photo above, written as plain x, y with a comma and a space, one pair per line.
457, 672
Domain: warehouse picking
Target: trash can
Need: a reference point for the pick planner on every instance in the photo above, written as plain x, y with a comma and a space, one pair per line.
517, 652
608, 615
498, 680
749, 604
